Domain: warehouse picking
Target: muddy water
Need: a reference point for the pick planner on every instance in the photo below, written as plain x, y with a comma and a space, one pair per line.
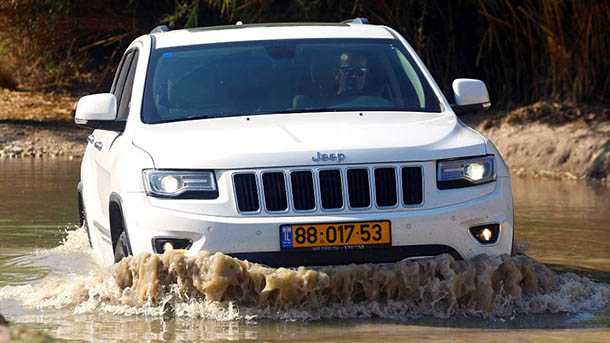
58, 287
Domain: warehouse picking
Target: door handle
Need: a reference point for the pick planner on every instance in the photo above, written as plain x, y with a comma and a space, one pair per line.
98, 146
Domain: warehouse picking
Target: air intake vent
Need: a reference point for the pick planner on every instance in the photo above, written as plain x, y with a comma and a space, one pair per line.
358, 188
303, 195
274, 187
412, 186
331, 192
385, 187
246, 192
343, 189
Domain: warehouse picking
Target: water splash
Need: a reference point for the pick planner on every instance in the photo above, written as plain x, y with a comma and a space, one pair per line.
219, 287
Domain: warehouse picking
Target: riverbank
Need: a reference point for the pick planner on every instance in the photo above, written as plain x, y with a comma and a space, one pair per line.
544, 139
39, 125
551, 139
21, 334
41, 140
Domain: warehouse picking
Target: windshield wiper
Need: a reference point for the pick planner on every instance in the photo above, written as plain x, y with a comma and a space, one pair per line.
287, 111
304, 110
201, 116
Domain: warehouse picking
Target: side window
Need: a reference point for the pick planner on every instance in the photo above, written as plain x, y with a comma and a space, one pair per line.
120, 84
118, 74
125, 99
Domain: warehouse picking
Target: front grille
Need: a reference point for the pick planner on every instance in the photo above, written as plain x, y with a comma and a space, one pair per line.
303, 194
360, 187
331, 191
385, 187
246, 192
412, 192
274, 188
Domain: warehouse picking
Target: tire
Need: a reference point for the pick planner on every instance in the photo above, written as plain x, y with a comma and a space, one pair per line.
121, 250
83, 219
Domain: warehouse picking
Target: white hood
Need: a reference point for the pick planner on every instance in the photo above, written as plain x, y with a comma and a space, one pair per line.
293, 139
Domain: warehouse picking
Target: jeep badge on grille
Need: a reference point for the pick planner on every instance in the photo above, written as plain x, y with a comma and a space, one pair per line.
321, 157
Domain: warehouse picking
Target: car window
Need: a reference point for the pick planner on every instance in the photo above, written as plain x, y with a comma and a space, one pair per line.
124, 103
121, 75
117, 73
287, 76
120, 85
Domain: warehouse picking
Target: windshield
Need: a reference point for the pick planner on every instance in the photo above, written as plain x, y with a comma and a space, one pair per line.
286, 76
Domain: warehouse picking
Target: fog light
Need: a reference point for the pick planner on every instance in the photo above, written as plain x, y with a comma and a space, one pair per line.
486, 234
162, 245
168, 246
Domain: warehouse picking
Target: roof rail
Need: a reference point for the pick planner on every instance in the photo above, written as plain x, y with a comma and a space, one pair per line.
360, 20
160, 29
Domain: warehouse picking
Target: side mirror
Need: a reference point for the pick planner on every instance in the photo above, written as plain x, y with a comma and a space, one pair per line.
98, 111
470, 96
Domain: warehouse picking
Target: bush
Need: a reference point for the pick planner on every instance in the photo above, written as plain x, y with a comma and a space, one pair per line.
7, 78
525, 50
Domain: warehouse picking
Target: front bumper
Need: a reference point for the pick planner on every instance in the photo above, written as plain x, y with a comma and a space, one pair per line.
421, 232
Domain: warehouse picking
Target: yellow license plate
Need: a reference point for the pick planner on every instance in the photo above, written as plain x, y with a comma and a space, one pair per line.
313, 236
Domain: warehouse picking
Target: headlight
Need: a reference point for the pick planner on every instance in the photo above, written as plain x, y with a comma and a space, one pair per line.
180, 184
465, 172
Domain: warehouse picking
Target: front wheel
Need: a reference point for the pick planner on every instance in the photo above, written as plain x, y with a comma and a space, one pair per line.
83, 218
121, 250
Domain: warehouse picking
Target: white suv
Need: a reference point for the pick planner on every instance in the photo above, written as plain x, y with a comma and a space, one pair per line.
288, 145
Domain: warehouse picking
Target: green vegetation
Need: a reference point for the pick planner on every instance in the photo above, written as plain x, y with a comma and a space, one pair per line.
524, 49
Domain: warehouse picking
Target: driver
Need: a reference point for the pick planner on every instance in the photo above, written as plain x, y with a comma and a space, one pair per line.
336, 84
352, 74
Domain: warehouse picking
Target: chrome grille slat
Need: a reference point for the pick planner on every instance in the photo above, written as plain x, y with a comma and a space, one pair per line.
332, 188
412, 192
385, 187
303, 190
246, 192
359, 190
274, 188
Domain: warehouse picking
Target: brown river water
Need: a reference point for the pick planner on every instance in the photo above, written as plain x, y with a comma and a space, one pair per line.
50, 280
